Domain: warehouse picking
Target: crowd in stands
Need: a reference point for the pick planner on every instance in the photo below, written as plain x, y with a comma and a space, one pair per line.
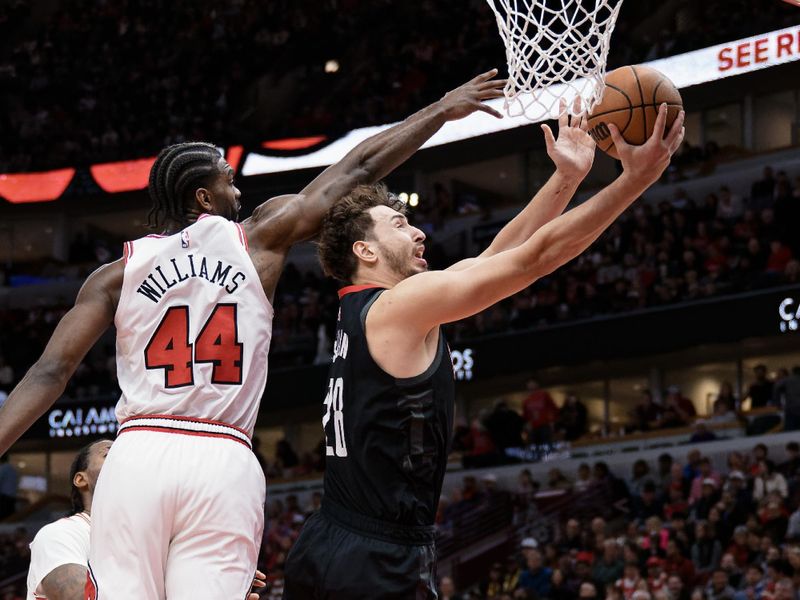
670, 531
503, 435
161, 72
674, 529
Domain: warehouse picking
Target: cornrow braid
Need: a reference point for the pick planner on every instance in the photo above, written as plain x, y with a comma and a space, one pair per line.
179, 169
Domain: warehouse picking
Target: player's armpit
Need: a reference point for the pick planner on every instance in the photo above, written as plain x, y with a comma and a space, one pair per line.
66, 582
73, 337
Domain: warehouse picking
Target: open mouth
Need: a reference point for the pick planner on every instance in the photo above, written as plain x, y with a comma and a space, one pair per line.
418, 256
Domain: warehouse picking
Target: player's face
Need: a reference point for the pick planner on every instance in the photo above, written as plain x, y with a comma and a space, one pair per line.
399, 244
225, 196
97, 456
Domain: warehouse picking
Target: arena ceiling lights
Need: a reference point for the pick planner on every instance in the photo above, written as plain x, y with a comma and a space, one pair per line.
685, 70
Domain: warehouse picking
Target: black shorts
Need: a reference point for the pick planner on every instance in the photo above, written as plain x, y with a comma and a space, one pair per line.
342, 556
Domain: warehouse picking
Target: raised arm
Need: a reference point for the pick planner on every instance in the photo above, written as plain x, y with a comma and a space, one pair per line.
573, 155
285, 220
74, 336
448, 296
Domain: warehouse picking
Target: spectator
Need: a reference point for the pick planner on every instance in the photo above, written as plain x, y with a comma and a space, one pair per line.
683, 407
571, 423
785, 590
286, 456
583, 478
505, 427
706, 551
779, 257
676, 588
556, 480
492, 587
730, 205
571, 538
719, 587
774, 521
639, 477
763, 189
754, 583
793, 529
587, 591
677, 564
705, 471
769, 480
702, 433
447, 590
664, 472
791, 467
787, 393
761, 390
648, 413
735, 575
8, 487
539, 410
738, 547
608, 568
709, 496
726, 401
535, 576
479, 446
647, 504
656, 577
630, 581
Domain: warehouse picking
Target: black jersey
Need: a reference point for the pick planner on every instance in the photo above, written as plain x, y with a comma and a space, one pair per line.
387, 439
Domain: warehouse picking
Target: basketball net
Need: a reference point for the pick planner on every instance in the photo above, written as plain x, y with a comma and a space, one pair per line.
555, 49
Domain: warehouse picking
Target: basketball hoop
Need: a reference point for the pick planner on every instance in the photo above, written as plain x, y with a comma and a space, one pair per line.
555, 49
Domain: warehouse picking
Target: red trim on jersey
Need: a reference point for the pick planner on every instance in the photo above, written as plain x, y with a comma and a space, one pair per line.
203, 216
127, 251
90, 589
242, 236
351, 289
226, 436
156, 235
189, 419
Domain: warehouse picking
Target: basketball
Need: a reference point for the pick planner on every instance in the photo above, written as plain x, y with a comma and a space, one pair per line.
631, 100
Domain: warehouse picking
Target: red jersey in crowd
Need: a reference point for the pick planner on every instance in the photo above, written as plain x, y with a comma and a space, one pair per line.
539, 409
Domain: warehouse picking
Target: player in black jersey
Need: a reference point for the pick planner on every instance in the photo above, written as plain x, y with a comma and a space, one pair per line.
388, 413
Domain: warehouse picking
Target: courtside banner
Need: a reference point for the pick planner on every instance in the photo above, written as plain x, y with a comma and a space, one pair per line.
685, 70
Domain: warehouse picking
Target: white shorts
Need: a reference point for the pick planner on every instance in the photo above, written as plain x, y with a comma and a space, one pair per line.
178, 513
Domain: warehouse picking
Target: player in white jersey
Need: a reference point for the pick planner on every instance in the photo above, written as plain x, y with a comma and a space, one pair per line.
60, 550
182, 515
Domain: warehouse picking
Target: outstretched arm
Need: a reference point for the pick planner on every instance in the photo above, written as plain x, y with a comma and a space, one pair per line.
449, 296
285, 220
74, 336
573, 155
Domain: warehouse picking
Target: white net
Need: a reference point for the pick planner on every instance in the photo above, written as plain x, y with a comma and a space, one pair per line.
555, 49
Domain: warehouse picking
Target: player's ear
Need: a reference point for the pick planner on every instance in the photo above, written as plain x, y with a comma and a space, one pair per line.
364, 251
80, 481
203, 198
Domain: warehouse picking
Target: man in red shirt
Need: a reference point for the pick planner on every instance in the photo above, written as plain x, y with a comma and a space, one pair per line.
540, 412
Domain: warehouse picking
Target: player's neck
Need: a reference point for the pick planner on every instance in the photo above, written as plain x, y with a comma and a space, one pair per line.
376, 278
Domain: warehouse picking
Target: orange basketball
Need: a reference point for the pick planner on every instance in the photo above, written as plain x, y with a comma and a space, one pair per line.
631, 100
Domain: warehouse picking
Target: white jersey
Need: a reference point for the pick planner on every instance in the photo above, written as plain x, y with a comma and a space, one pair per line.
193, 327
63, 542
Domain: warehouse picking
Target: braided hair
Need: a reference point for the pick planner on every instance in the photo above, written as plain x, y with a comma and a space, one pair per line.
176, 174
79, 463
